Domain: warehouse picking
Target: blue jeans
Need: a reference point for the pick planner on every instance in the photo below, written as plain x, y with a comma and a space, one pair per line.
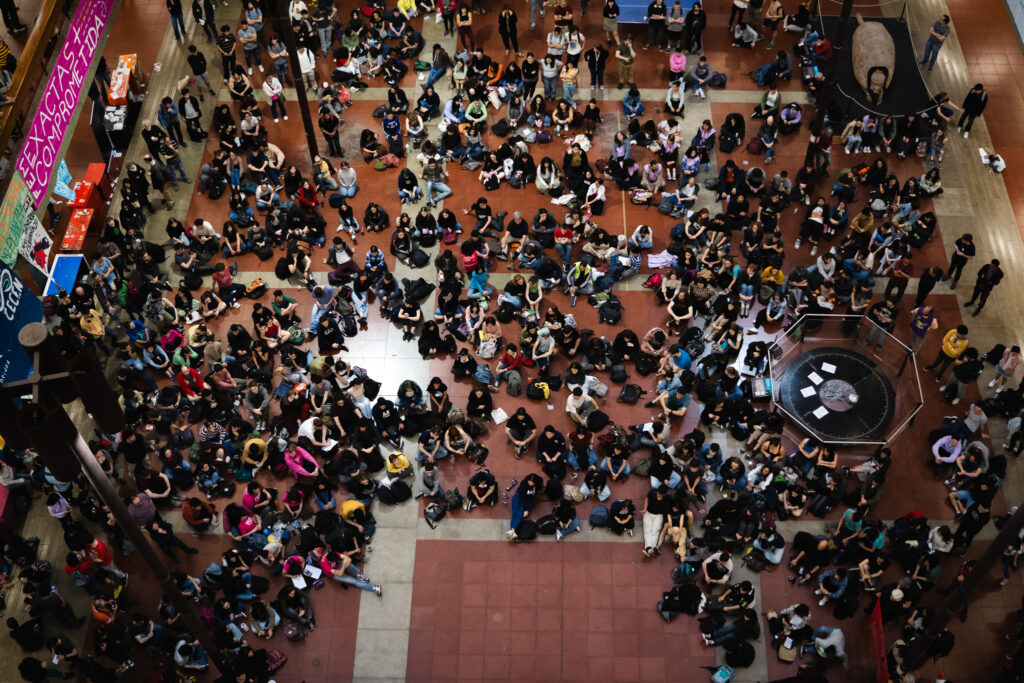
550, 84
480, 293
252, 57
281, 68
514, 300
606, 468
564, 251
575, 461
20, 481
519, 510
442, 189
442, 452
361, 303
314, 318
573, 526
602, 495
351, 578
534, 4
348, 192
931, 53
178, 22
178, 166
673, 481
435, 73
877, 335
568, 90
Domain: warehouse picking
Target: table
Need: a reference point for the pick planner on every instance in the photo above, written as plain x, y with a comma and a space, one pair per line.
83, 190
122, 80
98, 176
65, 273
77, 228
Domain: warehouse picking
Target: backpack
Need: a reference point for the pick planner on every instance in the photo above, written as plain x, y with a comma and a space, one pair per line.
667, 204
755, 560
646, 364
421, 65
501, 128
654, 281
193, 281
471, 164
610, 313
491, 183
379, 112
488, 349
390, 160
334, 200
755, 146
599, 516
256, 289
453, 499
543, 136
597, 421
537, 390
722, 674
419, 258
293, 630
694, 348
513, 383
763, 75
526, 531
433, 514
717, 80
630, 394
618, 374
547, 525
449, 236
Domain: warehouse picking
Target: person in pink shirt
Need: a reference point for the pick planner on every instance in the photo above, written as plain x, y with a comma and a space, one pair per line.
1005, 368
300, 463
340, 568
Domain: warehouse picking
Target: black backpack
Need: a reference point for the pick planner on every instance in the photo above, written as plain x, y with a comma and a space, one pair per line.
433, 514
630, 394
453, 499
501, 128
646, 364
610, 313
547, 525
419, 258
618, 373
526, 531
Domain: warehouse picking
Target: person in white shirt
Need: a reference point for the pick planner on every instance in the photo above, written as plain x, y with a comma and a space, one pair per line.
307, 67
295, 10
274, 91
579, 406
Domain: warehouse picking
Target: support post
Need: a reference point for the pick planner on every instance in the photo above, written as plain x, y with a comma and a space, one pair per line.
825, 96
283, 28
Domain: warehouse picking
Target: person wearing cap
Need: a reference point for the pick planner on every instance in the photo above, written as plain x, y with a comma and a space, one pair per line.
543, 349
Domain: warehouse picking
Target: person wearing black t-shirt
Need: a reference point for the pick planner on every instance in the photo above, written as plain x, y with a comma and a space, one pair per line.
653, 519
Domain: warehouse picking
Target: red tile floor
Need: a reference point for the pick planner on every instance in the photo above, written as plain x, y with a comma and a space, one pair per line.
585, 610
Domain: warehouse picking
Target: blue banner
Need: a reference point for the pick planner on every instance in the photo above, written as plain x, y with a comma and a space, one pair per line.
18, 307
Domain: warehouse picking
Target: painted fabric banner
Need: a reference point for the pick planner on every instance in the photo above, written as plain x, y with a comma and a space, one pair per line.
40, 153
12, 219
18, 307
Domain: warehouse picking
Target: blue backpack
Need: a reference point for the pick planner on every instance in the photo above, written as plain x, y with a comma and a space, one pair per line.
722, 674
599, 516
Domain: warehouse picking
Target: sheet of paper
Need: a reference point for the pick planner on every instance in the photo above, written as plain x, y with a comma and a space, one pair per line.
815, 377
807, 391
313, 572
820, 412
299, 582
829, 368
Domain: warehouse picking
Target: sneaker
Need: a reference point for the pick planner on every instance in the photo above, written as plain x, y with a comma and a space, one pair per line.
244, 626
285, 117
966, 134
250, 71
378, 589
821, 603
796, 244
510, 534
954, 401
276, 120
260, 67
236, 305
572, 301
991, 384
558, 535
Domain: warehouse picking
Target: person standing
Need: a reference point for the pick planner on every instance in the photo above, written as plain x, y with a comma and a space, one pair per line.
675, 21
274, 91
899, 277
926, 283
973, 106
10, 14
1005, 368
937, 35
226, 47
610, 22
597, 58
507, 21
307, 67
247, 36
922, 321
202, 12
696, 20
737, 12
963, 251
625, 55
989, 276
279, 53
171, 156
177, 18
656, 25
953, 345
200, 71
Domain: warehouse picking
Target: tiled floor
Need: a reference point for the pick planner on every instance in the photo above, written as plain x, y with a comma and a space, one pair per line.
485, 609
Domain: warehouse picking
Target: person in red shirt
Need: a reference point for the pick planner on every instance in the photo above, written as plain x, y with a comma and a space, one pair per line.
307, 196
224, 286
563, 244
99, 554
82, 570
191, 383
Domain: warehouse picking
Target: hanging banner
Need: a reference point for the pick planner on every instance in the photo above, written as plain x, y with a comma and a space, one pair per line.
18, 307
60, 99
62, 186
12, 219
36, 242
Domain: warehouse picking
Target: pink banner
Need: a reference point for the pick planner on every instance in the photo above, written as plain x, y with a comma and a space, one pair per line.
41, 152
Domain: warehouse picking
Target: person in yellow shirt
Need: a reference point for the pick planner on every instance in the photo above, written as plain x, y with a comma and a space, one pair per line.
953, 344
398, 465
